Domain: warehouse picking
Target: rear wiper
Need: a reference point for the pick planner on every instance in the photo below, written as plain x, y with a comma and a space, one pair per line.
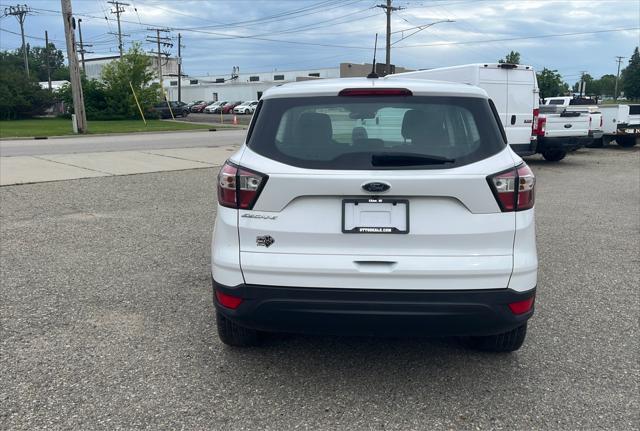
407, 159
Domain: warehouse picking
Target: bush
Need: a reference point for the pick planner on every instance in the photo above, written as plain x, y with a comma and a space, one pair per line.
20, 96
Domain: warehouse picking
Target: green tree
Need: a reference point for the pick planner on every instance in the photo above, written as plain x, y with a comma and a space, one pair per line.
607, 85
20, 96
512, 58
550, 83
591, 84
133, 69
38, 62
631, 77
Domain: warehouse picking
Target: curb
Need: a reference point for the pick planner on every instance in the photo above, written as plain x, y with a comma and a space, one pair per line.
150, 132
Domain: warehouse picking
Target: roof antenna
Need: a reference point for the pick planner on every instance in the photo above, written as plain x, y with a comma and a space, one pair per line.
373, 73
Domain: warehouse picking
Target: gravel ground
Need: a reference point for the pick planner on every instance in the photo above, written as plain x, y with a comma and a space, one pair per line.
106, 321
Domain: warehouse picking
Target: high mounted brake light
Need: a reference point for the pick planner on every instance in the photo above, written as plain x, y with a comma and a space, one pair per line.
375, 92
509, 196
239, 187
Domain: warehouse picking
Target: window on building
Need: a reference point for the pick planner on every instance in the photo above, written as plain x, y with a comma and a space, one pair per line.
254, 78
173, 83
219, 80
193, 81
278, 77
316, 74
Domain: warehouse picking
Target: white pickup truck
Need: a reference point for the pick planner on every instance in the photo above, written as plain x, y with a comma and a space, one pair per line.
564, 126
620, 123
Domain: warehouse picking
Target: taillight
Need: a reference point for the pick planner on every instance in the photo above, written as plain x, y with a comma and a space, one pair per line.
539, 124
514, 189
239, 187
590, 121
534, 125
601, 122
522, 307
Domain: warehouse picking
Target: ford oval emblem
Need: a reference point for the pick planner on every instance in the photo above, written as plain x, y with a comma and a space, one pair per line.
376, 187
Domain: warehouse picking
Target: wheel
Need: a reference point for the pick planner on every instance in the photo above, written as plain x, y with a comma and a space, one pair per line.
506, 342
626, 141
235, 335
554, 155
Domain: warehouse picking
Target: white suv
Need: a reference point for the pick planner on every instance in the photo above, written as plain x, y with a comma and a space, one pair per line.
378, 207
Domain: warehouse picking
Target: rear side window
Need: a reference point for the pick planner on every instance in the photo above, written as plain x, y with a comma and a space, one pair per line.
376, 132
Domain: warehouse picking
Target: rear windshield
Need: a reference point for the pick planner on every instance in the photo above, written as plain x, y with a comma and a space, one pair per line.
370, 132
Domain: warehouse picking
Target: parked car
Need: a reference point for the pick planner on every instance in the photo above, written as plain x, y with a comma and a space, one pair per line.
199, 107
375, 206
228, 107
513, 88
162, 109
190, 104
246, 107
563, 129
210, 109
620, 123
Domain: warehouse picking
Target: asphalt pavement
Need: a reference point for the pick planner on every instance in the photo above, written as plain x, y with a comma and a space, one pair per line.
124, 142
106, 321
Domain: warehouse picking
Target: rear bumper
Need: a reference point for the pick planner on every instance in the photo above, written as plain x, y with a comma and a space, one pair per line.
374, 312
570, 143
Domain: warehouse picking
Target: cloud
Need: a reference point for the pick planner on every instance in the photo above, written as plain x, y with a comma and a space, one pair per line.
221, 34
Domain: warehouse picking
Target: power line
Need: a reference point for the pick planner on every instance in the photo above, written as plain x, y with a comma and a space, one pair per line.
519, 38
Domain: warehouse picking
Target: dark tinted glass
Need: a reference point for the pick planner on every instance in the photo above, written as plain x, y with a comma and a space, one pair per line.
376, 132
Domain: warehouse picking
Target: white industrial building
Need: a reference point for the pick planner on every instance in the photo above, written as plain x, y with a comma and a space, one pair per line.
93, 66
250, 86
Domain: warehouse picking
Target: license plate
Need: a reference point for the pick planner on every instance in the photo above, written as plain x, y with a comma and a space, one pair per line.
375, 215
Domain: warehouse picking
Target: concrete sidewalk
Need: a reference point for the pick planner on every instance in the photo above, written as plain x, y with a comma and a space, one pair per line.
57, 167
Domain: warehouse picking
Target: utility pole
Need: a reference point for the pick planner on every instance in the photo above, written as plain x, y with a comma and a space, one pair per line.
179, 68
46, 56
388, 9
160, 41
74, 70
20, 12
118, 10
582, 87
615, 92
82, 51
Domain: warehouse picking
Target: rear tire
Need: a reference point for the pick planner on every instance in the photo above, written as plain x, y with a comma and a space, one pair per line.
554, 155
506, 342
232, 334
626, 141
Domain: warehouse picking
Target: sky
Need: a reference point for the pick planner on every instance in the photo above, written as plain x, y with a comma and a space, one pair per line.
270, 35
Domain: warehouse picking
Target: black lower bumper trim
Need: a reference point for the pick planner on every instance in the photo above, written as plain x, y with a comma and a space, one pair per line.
563, 144
374, 312
525, 149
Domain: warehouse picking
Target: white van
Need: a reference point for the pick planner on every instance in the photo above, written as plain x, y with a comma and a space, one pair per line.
513, 89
